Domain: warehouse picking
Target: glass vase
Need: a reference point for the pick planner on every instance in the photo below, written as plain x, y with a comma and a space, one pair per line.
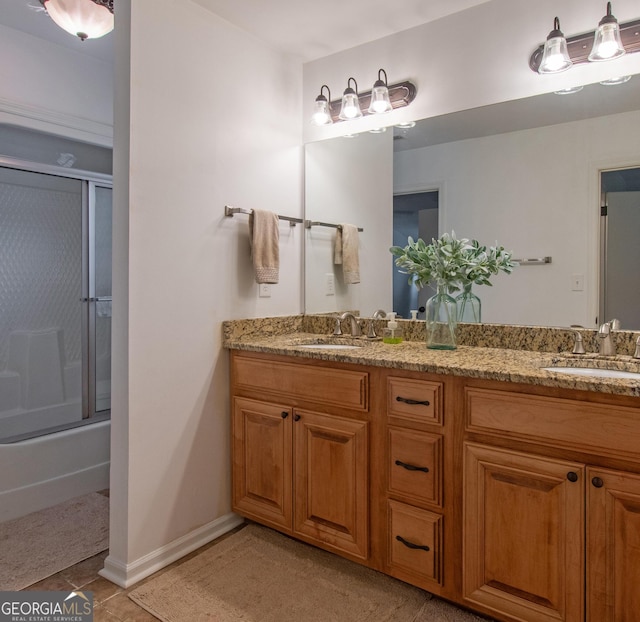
441, 320
469, 305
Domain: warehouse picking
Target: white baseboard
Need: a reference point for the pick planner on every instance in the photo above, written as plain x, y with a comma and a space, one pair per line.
126, 575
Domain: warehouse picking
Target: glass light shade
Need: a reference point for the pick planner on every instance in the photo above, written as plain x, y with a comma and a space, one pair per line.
616, 81
321, 112
607, 44
380, 102
83, 18
350, 106
555, 57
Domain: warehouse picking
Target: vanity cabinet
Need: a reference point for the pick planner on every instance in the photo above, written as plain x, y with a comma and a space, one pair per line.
301, 464
549, 533
415, 446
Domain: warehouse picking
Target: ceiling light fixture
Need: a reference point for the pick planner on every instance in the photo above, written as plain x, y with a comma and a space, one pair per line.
610, 40
368, 103
87, 19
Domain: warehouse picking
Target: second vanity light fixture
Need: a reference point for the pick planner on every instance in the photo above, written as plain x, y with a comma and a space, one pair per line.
610, 40
380, 99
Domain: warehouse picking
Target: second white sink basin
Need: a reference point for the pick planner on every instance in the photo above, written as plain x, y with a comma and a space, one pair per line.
594, 372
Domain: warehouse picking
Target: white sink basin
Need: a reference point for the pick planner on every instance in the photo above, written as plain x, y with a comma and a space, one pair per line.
593, 372
329, 346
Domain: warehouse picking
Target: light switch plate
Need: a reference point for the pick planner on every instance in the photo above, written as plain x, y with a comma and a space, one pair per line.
264, 290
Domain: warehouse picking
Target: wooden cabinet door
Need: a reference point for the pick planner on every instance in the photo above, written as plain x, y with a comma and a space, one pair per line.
523, 534
331, 483
613, 546
262, 461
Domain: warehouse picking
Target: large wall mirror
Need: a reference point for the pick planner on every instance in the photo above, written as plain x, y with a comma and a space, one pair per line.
527, 174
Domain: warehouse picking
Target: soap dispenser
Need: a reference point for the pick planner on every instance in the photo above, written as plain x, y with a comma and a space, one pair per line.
392, 333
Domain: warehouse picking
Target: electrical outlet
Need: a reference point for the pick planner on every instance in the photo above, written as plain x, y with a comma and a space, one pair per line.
264, 290
577, 282
329, 284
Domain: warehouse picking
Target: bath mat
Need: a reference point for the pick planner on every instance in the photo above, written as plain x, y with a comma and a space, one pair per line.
35, 546
259, 575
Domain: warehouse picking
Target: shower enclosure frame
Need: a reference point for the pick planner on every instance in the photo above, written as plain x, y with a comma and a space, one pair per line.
90, 181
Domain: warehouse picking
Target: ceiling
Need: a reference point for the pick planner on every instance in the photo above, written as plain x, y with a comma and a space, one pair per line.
309, 30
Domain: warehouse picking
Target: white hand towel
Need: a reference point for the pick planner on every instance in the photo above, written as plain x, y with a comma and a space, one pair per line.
264, 237
347, 253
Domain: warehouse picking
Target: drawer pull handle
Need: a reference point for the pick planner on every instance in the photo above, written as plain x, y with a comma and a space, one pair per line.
284, 414
572, 476
597, 482
296, 417
411, 545
408, 400
411, 467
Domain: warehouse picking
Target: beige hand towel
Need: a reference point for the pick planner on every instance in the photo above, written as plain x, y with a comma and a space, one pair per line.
264, 236
347, 253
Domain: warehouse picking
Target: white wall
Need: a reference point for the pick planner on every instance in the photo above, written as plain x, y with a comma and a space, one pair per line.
473, 58
205, 116
54, 89
349, 180
536, 193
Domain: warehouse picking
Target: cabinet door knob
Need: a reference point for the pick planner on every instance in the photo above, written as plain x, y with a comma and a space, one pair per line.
597, 482
411, 545
572, 476
411, 467
284, 414
296, 417
408, 400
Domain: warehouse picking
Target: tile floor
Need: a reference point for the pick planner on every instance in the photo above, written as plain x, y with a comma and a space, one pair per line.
111, 603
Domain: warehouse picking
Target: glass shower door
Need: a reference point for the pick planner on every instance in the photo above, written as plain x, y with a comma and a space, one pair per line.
100, 300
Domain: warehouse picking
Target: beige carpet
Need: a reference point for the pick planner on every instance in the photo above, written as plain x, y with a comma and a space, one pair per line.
40, 544
258, 575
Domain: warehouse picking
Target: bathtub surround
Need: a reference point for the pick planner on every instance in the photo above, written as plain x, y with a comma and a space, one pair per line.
42, 543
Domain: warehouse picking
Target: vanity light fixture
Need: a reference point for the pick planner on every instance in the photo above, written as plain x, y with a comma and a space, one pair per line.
610, 40
607, 43
380, 102
555, 57
87, 19
350, 102
322, 108
354, 105
569, 91
616, 81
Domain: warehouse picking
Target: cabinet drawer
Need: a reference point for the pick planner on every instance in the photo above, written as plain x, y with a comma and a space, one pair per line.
414, 461
415, 401
320, 385
566, 422
415, 538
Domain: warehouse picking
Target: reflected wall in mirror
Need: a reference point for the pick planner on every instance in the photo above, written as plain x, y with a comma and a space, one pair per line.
349, 180
524, 174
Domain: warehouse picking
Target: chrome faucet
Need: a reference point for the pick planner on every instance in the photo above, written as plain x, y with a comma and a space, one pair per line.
371, 332
607, 345
636, 354
578, 345
355, 324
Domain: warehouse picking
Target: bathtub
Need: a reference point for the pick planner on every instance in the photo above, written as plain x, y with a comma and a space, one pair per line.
44, 471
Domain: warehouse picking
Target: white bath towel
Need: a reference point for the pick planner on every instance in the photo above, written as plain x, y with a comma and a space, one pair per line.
347, 252
264, 237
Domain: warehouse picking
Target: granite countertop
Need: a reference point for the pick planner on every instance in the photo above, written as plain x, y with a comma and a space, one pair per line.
492, 363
